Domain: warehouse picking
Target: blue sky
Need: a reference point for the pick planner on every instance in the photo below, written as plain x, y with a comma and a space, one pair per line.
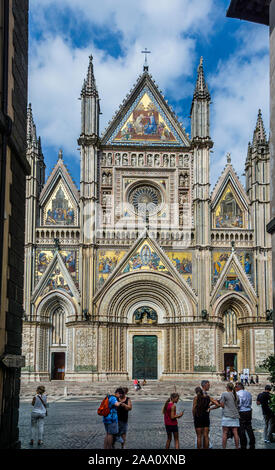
63, 33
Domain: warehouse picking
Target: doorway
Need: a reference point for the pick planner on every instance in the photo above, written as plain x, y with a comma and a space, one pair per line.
230, 361
58, 366
145, 357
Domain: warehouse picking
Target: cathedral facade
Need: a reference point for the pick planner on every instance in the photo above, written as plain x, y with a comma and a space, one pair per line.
144, 272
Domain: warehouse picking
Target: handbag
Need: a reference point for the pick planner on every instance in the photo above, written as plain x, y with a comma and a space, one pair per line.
45, 406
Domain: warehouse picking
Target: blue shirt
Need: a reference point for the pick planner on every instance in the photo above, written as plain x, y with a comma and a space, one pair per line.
112, 416
245, 400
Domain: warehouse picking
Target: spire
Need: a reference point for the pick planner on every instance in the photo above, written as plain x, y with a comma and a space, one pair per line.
89, 85
201, 89
259, 136
31, 129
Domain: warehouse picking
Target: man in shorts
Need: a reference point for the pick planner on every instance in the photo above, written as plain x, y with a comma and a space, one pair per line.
111, 421
263, 399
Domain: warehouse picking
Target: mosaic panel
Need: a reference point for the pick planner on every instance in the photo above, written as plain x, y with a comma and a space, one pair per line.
220, 258
59, 210
228, 213
107, 260
183, 264
57, 281
145, 123
44, 257
145, 258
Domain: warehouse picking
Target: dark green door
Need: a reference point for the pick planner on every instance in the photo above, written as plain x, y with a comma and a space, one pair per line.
145, 357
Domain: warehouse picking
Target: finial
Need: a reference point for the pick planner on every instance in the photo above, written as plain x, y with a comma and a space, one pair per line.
233, 246
145, 66
60, 154
201, 62
228, 157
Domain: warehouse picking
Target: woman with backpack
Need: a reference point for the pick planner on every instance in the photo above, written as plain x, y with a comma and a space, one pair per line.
39, 411
171, 420
229, 401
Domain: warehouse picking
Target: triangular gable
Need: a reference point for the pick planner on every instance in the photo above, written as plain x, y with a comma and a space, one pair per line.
229, 202
219, 260
55, 278
233, 279
60, 188
44, 257
145, 119
146, 256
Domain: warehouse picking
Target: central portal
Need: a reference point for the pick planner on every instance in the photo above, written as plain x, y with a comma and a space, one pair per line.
145, 357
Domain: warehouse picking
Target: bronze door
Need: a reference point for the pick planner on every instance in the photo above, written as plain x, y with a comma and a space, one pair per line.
145, 357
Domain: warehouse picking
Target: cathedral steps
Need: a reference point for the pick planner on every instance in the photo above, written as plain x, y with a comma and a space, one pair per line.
152, 390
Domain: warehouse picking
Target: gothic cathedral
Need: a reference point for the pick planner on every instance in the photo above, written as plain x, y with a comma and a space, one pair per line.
144, 272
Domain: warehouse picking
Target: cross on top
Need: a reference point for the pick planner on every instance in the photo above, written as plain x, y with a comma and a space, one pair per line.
145, 66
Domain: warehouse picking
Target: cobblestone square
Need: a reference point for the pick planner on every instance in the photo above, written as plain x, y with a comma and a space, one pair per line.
73, 423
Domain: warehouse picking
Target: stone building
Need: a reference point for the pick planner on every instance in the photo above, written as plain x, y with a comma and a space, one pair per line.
144, 272
13, 170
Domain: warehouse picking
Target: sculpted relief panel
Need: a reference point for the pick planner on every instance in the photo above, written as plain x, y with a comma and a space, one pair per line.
204, 357
85, 350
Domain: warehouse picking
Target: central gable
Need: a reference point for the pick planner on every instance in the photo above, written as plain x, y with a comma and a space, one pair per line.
145, 119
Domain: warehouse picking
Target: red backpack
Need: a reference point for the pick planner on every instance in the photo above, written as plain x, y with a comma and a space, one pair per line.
104, 409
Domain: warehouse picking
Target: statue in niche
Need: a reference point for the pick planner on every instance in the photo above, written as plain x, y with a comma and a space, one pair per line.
181, 160
165, 160
186, 160
145, 315
181, 180
117, 159
104, 179
172, 160
110, 179
150, 160
183, 198
109, 159
157, 160
133, 159
103, 159
141, 159
104, 199
125, 159
185, 180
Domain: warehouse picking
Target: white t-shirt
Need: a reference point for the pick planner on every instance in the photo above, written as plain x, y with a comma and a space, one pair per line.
38, 406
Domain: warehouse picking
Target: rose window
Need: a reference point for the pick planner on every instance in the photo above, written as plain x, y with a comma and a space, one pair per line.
145, 199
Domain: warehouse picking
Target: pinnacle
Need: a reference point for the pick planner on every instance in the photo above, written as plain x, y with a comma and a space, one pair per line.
89, 85
201, 89
259, 133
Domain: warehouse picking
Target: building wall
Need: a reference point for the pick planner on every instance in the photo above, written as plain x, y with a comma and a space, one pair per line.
14, 62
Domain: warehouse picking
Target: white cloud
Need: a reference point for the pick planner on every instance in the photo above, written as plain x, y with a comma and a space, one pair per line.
240, 87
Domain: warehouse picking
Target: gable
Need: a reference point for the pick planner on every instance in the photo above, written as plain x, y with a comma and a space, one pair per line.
145, 258
145, 119
45, 256
60, 208
56, 276
229, 211
234, 278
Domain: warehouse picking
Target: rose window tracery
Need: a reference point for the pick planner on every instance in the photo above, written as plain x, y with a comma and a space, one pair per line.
145, 198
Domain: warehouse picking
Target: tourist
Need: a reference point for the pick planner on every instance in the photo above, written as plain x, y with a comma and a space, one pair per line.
263, 399
246, 379
171, 420
235, 376
39, 411
252, 380
122, 413
111, 420
229, 401
245, 412
242, 377
144, 382
257, 379
201, 409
